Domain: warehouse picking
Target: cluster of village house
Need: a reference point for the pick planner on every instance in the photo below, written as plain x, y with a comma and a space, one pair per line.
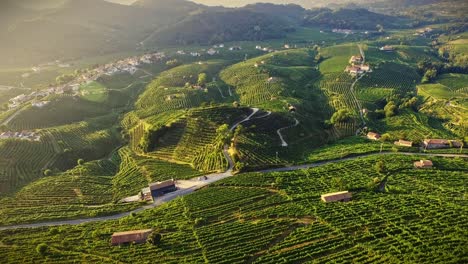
129, 65
427, 143
212, 51
357, 66
24, 135
357, 62
216, 50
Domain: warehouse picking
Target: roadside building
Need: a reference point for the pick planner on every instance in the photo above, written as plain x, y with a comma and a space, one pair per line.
441, 143
344, 196
145, 195
373, 136
136, 236
161, 188
404, 143
423, 164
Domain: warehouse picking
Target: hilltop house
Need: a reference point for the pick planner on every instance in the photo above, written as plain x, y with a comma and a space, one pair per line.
373, 136
336, 197
353, 70
404, 143
161, 188
423, 164
441, 143
356, 59
136, 236
365, 67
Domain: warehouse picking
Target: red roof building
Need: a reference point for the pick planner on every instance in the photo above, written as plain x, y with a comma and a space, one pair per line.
373, 136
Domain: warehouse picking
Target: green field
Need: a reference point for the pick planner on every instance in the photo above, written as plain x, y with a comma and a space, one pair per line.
94, 92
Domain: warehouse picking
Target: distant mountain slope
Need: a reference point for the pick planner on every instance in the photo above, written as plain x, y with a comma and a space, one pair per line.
352, 19
79, 28
219, 26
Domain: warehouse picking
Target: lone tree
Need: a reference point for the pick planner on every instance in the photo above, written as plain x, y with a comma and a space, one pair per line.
380, 167
42, 249
202, 79
341, 116
154, 239
223, 135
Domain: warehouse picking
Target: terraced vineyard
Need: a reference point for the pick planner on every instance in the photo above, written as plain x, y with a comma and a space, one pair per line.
191, 140
447, 99
168, 92
387, 79
62, 110
61, 197
267, 80
22, 161
136, 172
278, 217
88, 140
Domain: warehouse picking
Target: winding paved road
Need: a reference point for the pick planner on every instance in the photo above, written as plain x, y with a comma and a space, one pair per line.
283, 142
214, 178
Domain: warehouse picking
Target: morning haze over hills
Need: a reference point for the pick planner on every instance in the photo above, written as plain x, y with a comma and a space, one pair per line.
173, 131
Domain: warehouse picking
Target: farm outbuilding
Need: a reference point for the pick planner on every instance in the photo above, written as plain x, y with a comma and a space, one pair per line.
423, 164
135, 236
373, 136
344, 196
404, 143
441, 143
161, 188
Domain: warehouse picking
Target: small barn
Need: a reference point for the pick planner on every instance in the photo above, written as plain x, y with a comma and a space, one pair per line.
344, 196
423, 164
373, 136
135, 236
161, 188
404, 143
